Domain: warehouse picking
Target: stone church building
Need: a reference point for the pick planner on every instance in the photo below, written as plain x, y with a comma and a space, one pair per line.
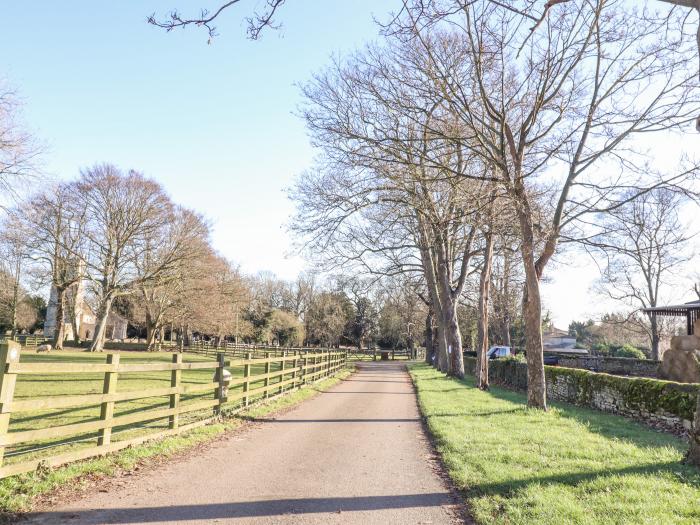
84, 317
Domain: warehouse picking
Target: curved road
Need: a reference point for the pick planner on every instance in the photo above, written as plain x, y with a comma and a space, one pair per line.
355, 454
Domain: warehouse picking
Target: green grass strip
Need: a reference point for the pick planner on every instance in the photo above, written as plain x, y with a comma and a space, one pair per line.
565, 466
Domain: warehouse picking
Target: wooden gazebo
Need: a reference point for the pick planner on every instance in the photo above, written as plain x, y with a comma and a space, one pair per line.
691, 312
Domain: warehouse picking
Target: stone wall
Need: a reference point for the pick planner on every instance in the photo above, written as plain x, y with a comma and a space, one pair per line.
621, 366
660, 404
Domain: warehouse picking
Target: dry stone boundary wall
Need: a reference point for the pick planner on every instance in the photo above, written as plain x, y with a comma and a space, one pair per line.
663, 405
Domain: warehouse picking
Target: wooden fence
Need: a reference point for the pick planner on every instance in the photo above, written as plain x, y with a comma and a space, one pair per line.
247, 380
30, 341
384, 354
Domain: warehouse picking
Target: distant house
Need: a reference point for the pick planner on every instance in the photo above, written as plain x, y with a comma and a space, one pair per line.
560, 341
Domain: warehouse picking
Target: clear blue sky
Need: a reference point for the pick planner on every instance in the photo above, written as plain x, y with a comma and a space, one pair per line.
213, 123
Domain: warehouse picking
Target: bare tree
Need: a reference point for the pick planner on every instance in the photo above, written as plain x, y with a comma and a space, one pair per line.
126, 217
643, 244
378, 194
213, 296
52, 231
173, 252
256, 23
13, 258
482, 346
549, 115
19, 151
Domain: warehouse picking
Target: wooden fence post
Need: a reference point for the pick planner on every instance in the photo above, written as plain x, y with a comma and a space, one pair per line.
107, 409
174, 420
267, 372
9, 353
295, 364
284, 354
221, 393
246, 376
302, 372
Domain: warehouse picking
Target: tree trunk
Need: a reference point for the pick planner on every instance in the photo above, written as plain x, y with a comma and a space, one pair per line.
532, 304
186, 336
442, 361
693, 456
453, 337
15, 301
505, 295
59, 333
505, 334
74, 317
153, 330
655, 338
98, 341
532, 313
150, 332
482, 359
429, 339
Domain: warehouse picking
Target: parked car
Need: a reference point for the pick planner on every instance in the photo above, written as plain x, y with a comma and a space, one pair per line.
498, 352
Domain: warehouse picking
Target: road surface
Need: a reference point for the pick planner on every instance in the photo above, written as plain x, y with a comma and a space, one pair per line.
355, 454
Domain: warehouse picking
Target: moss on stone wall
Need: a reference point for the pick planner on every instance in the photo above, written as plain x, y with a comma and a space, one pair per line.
646, 397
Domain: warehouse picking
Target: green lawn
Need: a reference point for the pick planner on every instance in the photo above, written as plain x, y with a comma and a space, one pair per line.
568, 465
52, 385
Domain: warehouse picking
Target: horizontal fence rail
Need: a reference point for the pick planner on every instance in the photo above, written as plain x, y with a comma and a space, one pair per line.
30, 341
199, 390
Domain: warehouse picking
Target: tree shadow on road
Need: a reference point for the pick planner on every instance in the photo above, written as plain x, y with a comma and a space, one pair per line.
248, 509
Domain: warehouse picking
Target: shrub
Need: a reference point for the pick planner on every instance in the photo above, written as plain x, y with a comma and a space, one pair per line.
629, 351
601, 349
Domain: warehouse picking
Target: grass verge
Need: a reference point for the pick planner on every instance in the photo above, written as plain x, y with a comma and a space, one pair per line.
565, 466
18, 494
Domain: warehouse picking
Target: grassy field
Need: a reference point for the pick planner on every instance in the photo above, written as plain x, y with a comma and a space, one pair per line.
53, 385
566, 466
18, 493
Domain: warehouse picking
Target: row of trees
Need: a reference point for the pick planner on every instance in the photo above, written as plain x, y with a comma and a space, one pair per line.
465, 148
118, 236
341, 311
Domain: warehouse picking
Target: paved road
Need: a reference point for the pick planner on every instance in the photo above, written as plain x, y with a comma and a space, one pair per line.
353, 455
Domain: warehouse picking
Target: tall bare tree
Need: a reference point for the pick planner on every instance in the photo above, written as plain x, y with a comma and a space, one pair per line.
52, 231
19, 150
551, 114
377, 190
172, 253
643, 245
13, 262
126, 217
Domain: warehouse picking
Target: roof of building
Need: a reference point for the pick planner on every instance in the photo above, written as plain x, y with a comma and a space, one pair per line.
678, 309
556, 332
